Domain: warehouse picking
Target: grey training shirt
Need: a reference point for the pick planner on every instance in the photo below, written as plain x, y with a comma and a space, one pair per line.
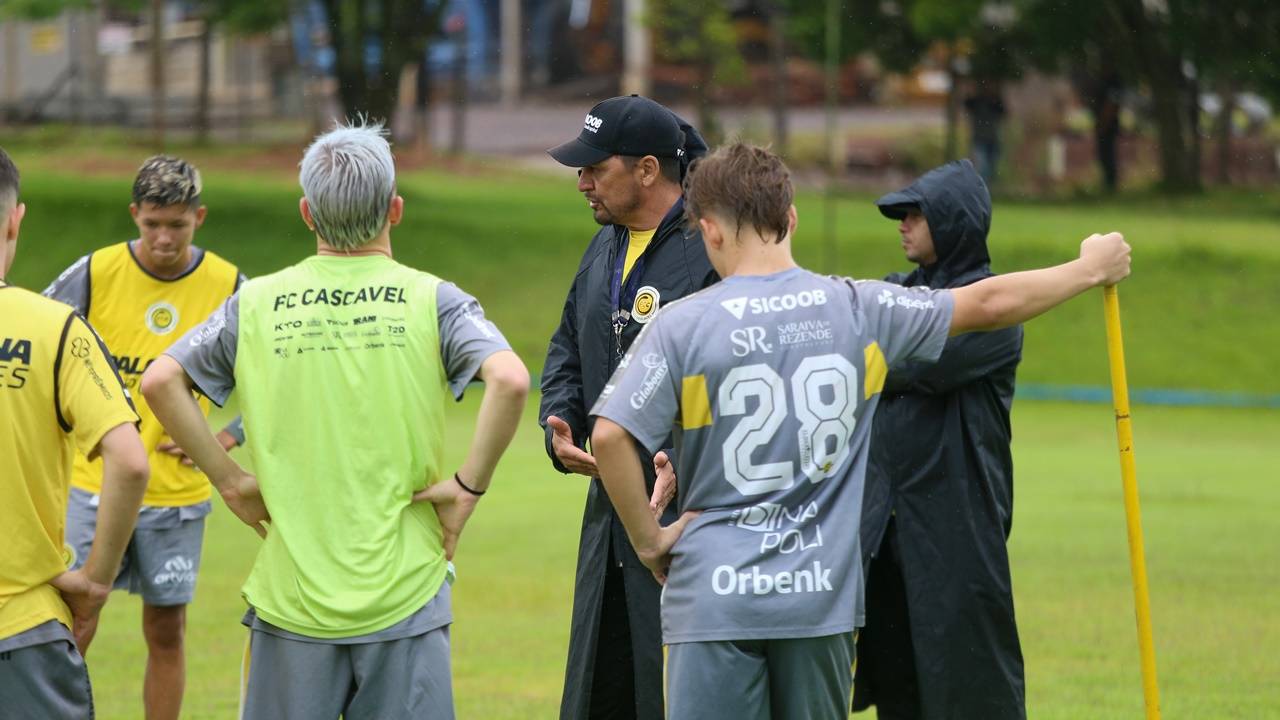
208, 351
770, 383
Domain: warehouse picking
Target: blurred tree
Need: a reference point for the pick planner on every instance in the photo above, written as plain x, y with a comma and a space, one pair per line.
1158, 41
1235, 47
38, 9
699, 33
373, 41
961, 28
1084, 44
874, 26
973, 35
1174, 48
238, 17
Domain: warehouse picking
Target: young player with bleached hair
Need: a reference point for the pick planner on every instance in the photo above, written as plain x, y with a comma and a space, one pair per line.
769, 381
343, 363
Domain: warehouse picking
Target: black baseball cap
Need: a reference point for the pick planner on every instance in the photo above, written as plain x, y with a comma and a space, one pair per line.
628, 125
896, 205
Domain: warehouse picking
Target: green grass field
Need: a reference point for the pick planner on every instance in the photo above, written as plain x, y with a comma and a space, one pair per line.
1198, 314
1209, 499
1204, 271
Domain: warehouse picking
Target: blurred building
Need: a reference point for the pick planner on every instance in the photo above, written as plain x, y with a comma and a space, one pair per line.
94, 66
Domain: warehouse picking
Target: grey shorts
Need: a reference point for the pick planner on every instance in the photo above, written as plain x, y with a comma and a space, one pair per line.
163, 556
299, 680
46, 680
789, 679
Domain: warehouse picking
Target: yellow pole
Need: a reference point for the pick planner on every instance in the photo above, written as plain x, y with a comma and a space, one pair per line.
1133, 515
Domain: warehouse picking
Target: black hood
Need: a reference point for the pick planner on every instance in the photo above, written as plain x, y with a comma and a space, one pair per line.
694, 145
957, 205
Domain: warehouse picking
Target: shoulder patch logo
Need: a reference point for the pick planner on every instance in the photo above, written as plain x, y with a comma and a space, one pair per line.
162, 318
736, 306
646, 304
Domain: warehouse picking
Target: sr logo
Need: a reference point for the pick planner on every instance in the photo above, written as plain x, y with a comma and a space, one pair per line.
749, 339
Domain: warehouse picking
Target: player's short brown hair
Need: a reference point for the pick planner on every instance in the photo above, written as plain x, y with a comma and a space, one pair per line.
8, 181
742, 184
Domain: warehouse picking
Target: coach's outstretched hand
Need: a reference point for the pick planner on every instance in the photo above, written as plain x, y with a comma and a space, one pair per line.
1108, 256
85, 599
453, 506
570, 455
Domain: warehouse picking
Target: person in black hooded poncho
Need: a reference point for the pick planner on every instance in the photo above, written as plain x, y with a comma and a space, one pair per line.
941, 642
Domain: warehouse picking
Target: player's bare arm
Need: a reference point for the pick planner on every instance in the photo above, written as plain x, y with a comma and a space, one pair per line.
168, 388
623, 479
1006, 300
506, 386
226, 439
124, 481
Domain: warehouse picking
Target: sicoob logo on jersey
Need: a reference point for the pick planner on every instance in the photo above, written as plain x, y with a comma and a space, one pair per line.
162, 318
646, 304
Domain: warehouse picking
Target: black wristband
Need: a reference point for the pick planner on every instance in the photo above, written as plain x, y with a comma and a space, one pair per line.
463, 485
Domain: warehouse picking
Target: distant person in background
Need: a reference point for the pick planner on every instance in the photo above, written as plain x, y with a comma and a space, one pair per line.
940, 639
58, 393
141, 295
986, 112
631, 154
1104, 102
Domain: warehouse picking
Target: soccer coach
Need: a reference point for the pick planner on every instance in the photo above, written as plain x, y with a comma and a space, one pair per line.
631, 156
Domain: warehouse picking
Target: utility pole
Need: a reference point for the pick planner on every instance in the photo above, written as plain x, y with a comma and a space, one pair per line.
203, 68
512, 53
12, 68
778, 59
158, 99
832, 134
75, 81
637, 49
422, 107
458, 140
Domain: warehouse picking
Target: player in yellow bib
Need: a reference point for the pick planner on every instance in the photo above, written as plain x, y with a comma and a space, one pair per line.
141, 296
58, 391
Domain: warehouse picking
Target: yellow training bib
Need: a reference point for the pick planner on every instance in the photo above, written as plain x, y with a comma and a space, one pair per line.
57, 393
139, 316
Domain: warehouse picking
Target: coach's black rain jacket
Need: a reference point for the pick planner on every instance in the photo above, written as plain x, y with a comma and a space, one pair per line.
940, 467
580, 360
